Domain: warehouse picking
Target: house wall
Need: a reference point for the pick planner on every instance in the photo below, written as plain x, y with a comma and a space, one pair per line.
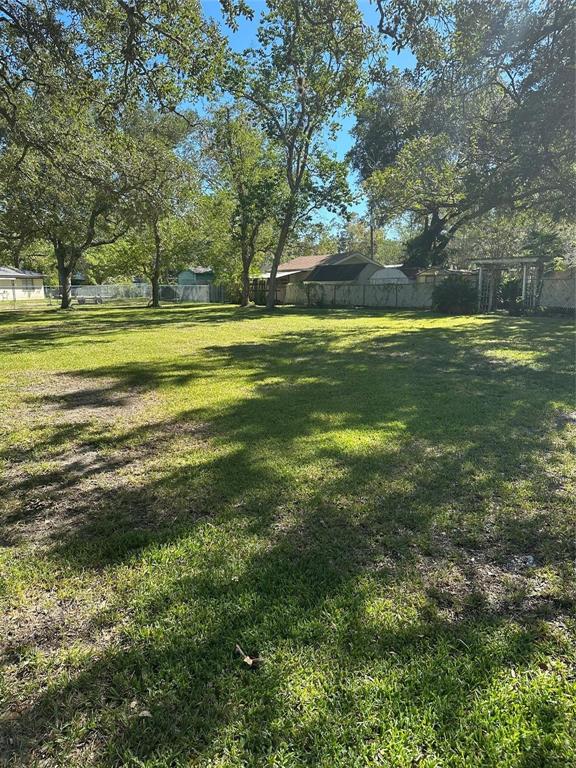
411, 296
21, 288
187, 277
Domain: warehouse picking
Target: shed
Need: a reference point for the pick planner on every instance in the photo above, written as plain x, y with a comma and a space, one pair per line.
20, 284
195, 276
391, 273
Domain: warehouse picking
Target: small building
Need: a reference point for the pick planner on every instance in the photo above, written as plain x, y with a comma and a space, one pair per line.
396, 274
20, 284
195, 276
336, 268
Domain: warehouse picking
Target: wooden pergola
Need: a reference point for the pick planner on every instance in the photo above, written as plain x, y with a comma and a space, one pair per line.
490, 275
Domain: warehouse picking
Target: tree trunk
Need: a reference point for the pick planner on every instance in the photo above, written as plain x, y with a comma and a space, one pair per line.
65, 267
156, 268
16, 254
282, 239
246, 261
245, 286
427, 248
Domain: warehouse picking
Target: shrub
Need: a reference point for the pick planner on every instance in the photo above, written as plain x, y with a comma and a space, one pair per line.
511, 296
456, 295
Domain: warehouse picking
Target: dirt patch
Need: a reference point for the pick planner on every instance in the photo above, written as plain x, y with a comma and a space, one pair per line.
473, 585
563, 419
82, 486
93, 449
48, 626
84, 399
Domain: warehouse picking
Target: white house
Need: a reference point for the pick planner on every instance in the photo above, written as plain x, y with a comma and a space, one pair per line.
18, 284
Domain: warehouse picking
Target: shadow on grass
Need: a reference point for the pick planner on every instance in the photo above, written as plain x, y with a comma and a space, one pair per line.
29, 331
409, 471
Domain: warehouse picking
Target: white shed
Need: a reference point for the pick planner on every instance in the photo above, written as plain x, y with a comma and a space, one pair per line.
20, 284
391, 273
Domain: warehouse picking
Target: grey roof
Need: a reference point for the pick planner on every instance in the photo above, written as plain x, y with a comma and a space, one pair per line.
336, 273
14, 272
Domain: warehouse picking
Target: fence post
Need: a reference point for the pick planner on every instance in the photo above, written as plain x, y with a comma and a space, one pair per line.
480, 288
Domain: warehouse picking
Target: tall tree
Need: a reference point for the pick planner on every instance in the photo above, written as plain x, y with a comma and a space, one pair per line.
307, 70
248, 168
162, 179
68, 72
490, 124
76, 195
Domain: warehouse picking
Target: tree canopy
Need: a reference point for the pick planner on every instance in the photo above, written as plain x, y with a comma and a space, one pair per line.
484, 122
105, 142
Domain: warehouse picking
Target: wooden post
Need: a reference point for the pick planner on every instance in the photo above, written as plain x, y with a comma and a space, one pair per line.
524, 276
480, 288
492, 288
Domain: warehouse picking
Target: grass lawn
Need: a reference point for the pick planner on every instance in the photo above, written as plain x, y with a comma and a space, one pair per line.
381, 506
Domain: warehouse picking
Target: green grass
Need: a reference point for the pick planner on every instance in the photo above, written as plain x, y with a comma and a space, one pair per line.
380, 506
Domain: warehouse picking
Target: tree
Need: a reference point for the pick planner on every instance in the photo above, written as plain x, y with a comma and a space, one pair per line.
492, 95
511, 236
67, 76
359, 236
307, 70
77, 196
163, 180
429, 182
156, 50
249, 170
134, 254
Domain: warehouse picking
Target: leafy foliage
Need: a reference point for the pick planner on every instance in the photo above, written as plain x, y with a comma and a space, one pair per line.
485, 122
456, 295
248, 171
308, 68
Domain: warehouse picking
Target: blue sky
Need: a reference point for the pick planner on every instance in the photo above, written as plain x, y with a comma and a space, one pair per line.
245, 37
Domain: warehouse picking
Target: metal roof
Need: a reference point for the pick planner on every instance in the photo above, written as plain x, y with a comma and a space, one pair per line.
13, 272
196, 270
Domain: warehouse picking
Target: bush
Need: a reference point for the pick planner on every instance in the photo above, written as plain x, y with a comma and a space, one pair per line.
455, 296
511, 296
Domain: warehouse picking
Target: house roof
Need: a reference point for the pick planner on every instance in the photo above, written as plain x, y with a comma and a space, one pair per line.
336, 273
303, 263
12, 272
282, 274
307, 263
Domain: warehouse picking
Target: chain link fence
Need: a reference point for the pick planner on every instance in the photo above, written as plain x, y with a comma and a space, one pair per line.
140, 294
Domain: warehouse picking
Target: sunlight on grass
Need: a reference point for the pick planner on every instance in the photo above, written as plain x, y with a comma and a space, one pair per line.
380, 506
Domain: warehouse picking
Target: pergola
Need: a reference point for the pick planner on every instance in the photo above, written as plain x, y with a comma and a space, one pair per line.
490, 275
